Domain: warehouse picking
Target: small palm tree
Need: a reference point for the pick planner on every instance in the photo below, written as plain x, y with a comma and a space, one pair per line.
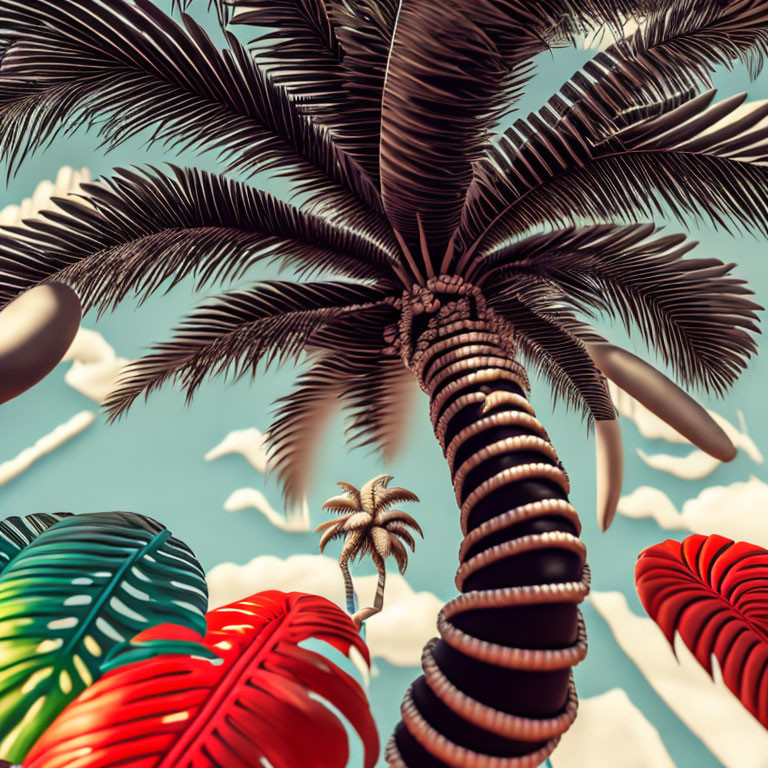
369, 526
460, 255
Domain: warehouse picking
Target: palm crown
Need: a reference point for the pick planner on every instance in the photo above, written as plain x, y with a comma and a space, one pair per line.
369, 526
383, 114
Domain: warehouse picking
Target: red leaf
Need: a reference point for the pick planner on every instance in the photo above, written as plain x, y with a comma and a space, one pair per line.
714, 592
178, 710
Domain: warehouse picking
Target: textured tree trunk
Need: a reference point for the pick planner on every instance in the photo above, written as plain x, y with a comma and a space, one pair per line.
497, 689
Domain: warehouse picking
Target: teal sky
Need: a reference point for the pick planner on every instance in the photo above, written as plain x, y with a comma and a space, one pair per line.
152, 461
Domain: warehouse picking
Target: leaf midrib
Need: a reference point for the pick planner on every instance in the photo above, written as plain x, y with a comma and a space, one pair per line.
225, 689
108, 591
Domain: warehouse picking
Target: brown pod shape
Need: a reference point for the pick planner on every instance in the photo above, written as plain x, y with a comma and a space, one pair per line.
36, 330
662, 397
610, 470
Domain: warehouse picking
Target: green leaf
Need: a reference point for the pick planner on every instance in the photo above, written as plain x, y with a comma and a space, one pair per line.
80, 588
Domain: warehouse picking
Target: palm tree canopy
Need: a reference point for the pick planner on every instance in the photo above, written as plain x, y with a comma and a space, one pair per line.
369, 525
384, 113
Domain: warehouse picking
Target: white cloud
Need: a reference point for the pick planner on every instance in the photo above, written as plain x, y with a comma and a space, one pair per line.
249, 443
611, 731
738, 511
95, 367
295, 519
68, 180
46, 444
707, 707
396, 635
695, 465
646, 501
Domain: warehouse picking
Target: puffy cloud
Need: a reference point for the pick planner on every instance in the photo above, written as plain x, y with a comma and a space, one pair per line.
46, 444
249, 443
694, 466
295, 519
611, 731
736, 510
646, 501
68, 180
705, 705
397, 634
95, 368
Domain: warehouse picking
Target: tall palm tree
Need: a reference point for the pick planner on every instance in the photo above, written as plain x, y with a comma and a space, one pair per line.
457, 253
369, 526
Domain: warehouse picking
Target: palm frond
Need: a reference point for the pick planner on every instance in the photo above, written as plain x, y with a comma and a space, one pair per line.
449, 79
364, 29
354, 374
692, 312
381, 391
303, 52
300, 48
237, 331
331, 534
387, 497
681, 45
138, 229
295, 435
452, 72
395, 519
398, 551
145, 70
549, 337
402, 533
695, 159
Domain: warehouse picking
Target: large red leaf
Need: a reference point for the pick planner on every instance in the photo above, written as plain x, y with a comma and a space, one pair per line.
714, 592
243, 695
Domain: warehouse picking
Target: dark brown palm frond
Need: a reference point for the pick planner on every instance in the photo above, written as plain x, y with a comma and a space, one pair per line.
302, 418
453, 70
364, 29
237, 331
695, 160
450, 78
348, 349
303, 52
135, 231
55, 79
381, 391
300, 48
549, 337
681, 45
692, 312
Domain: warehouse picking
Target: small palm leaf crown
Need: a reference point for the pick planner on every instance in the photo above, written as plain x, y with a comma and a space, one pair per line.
368, 523
385, 114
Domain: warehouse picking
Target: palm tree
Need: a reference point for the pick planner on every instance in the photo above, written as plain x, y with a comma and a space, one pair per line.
458, 256
369, 526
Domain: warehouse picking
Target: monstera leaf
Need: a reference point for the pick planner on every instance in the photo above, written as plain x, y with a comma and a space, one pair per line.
81, 587
17, 532
247, 691
714, 592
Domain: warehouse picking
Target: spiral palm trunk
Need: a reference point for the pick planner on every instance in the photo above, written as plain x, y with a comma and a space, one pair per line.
497, 689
